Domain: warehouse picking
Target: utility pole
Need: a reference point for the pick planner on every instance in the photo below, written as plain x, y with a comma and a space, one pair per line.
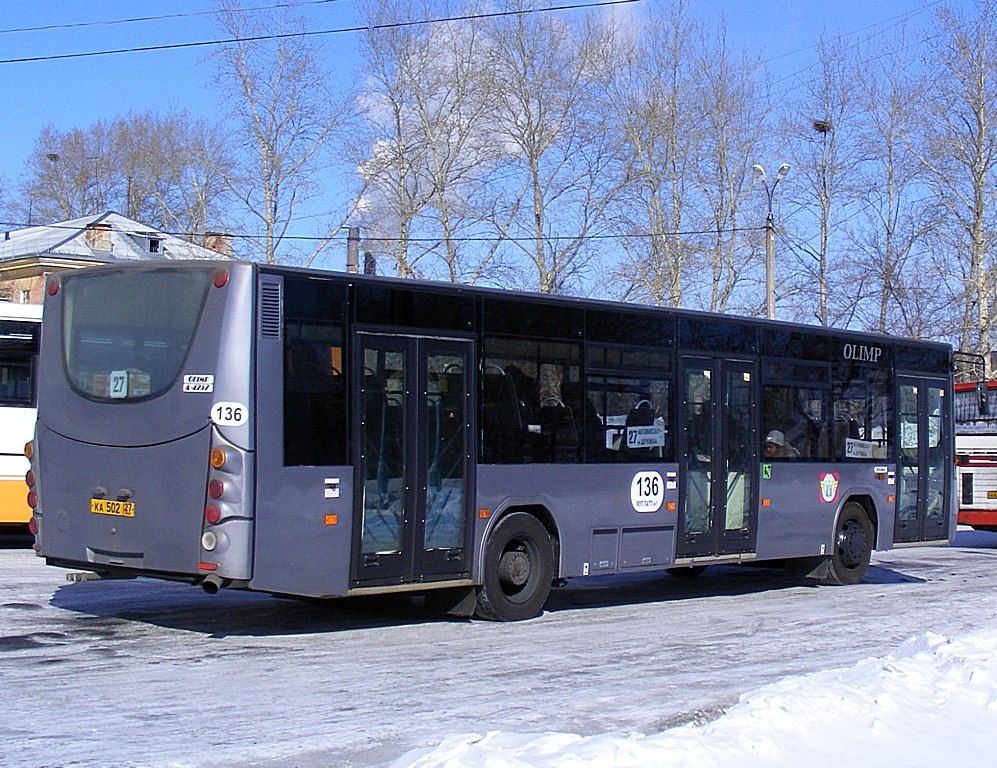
770, 236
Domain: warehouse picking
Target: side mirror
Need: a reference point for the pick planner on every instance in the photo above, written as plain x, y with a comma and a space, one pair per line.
981, 391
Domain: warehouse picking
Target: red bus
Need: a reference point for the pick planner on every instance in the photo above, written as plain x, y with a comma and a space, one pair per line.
976, 454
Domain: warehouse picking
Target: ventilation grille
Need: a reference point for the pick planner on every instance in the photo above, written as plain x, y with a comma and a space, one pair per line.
270, 310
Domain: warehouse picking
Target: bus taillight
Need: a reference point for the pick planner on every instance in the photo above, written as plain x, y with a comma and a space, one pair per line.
217, 458
220, 278
226, 522
31, 480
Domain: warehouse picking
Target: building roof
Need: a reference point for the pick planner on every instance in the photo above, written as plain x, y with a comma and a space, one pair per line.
107, 237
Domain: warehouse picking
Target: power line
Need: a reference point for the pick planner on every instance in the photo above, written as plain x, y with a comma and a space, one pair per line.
887, 25
314, 33
190, 236
160, 17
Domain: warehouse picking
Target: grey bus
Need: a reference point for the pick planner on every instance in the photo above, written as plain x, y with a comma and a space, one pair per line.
324, 435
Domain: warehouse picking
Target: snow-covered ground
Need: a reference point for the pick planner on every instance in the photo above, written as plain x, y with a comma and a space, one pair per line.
933, 702
742, 666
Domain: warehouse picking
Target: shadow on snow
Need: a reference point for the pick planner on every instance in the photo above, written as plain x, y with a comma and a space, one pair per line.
238, 613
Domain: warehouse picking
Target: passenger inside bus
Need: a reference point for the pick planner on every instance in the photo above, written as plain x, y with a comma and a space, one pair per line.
776, 446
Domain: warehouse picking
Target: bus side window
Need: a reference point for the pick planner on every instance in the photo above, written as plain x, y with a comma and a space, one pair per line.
501, 417
315, 396
629, 419
798, 412
863, 414
529, 401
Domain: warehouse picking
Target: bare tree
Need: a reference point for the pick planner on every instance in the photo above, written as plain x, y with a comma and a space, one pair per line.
187, 194
958, 147
392, 157
552, 186
891, 231
69, 175
647, 86
151, 168
733, 121
822, 125
283, 111
425, 103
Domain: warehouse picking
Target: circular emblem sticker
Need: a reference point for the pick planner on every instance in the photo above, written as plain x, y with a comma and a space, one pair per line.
647, 492
829, 487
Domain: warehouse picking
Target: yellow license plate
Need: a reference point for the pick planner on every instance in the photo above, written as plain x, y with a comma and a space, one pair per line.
112, 507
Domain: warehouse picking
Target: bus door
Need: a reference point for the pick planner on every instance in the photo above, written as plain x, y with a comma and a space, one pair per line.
718, 446
414, 471
923, 459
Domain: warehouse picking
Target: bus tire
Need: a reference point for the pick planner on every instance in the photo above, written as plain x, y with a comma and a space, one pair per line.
518, 570
853, 543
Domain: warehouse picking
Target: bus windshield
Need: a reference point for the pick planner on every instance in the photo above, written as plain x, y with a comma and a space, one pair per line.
125, 338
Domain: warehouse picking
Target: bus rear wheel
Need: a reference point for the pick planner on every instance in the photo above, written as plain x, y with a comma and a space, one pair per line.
853, 543
518, 570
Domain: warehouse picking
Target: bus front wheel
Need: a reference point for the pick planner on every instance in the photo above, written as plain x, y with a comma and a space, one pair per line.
853, 543
518, 570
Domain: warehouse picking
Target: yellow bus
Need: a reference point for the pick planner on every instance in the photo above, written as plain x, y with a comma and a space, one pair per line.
20, 332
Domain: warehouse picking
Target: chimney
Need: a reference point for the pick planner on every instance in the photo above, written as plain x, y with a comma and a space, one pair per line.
353, 250
98, 236
218, 242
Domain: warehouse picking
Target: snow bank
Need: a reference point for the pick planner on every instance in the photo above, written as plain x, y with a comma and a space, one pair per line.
931, 703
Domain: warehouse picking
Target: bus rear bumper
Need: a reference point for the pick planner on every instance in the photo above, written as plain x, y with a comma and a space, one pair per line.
983, 520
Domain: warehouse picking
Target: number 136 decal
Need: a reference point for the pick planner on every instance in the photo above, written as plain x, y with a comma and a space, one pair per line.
229, 414
647, 492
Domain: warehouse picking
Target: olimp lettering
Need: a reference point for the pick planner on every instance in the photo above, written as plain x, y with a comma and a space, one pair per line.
862, 354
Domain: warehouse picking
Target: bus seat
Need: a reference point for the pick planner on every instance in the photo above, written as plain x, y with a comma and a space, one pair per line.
502, 421
641, 415
841, 427
560, 435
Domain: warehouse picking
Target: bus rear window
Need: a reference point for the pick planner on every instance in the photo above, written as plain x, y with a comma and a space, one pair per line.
126, 334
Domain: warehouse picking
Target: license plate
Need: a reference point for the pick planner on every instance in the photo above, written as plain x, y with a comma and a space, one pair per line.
992, 494
112, 507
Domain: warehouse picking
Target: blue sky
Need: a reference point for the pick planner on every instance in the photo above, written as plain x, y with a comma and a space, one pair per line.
76, 92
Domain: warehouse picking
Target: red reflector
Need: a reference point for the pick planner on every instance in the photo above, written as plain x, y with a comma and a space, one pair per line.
33, 526
220, 278
216, 488
208, 566
52, 287
212, 514
29, 479
32, 499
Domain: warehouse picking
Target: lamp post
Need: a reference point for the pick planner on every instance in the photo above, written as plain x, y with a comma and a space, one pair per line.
770, 236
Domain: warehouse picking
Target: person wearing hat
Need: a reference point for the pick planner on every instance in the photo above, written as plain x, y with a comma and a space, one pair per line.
776, 446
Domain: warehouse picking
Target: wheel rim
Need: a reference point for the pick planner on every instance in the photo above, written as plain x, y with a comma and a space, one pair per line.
852, 544
515, 569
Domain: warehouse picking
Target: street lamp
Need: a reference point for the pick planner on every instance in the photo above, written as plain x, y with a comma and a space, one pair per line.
770, 237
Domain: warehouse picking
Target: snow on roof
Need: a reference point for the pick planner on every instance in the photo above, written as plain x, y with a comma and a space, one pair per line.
105, 237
